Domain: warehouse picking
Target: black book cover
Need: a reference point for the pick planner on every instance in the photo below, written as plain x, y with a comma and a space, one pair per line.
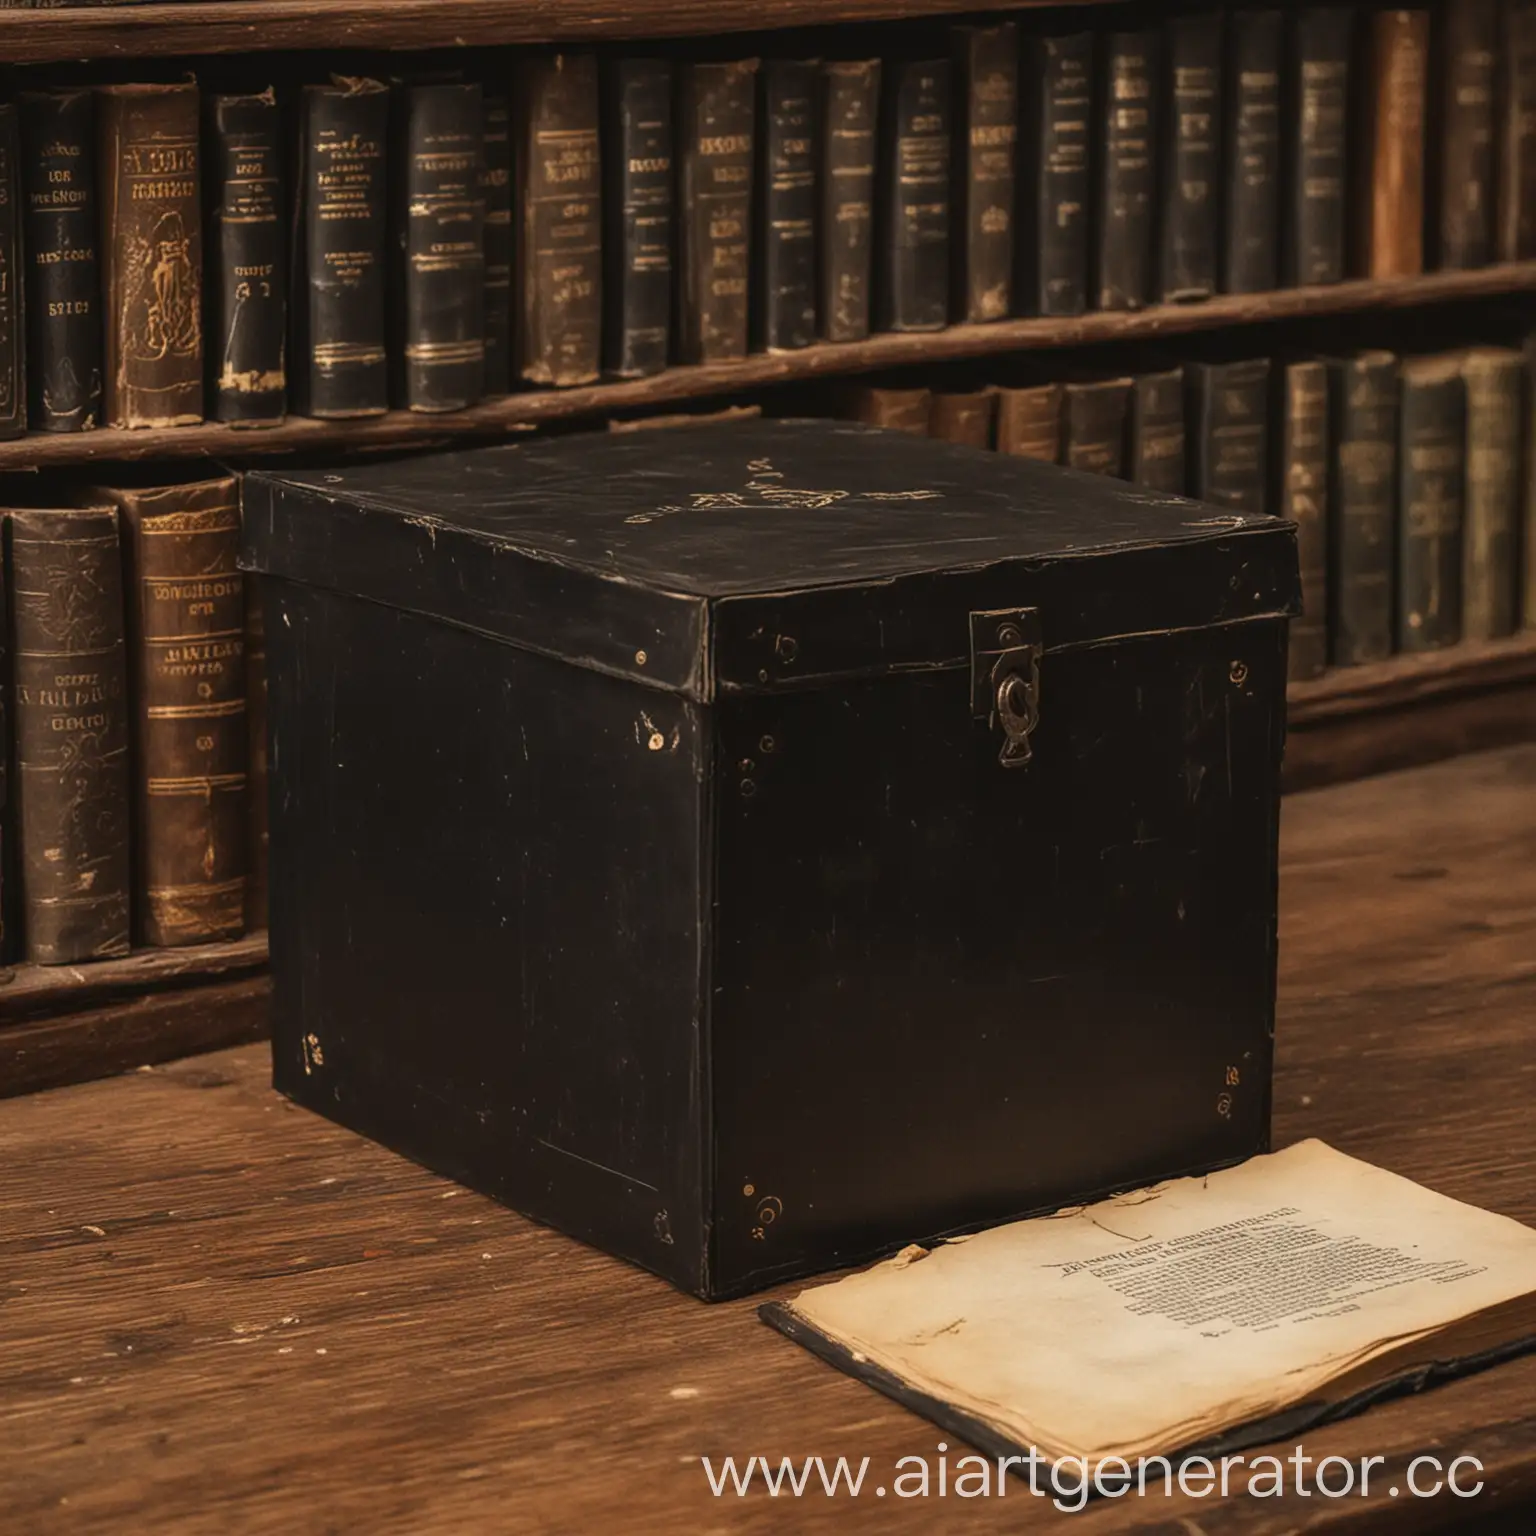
1251, 253
1516, 227
986, 109
13, 377
247, 287
62, 290
1302, 496
1093, 426
1462, 142
1056, 112
1228, 417
638, 205
1191, 150
1128, 170
340, 363
496, 189
850, 119
1156, 441
1362, 499
1432, 467
784, 284
1316, 147
915, 224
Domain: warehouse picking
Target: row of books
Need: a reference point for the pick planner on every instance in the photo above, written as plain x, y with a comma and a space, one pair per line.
1409, 478
136, 811
442, 241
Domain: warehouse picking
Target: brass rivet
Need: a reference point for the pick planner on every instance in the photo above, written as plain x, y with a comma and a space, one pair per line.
1238, 672
639, 658
767, 744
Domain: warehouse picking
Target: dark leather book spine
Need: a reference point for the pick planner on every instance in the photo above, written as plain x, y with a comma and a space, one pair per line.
1432, 467
1303, 498
13, 378
1029, 422
1391, 200
914, 240
340, 365
638, 201
560, 244
1128, 170
850, 119
1515, 229
964, 417
1317, 131
1527, 539
71, 726
257, 824
62, 291
1229, 427
1056, 109
1493, 379
716, 135
1252, 219
441, 227
900, 410
1362, 492
151, 211
248, 299
789, 152
186, 631
1191, 158
1156, 446
496, 189
986, 110
1093, 422
1467, 54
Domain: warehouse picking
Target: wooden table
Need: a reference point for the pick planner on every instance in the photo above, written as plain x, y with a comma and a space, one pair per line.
221, 1314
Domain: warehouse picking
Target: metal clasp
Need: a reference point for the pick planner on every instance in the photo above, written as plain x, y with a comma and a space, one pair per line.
1005, 677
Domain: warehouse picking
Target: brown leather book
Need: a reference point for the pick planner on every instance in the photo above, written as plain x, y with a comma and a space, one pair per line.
1029, 422
964, 417
186, 632
1515, 224
1391, 201
147, 165
902, 410
257, 836
1493, 378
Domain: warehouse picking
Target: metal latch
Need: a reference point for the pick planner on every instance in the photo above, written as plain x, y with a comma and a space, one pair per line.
1005, 677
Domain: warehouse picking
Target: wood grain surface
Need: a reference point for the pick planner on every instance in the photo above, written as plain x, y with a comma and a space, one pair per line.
518, 412
220, 1314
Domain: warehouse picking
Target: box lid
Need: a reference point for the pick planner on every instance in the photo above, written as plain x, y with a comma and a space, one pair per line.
763, 554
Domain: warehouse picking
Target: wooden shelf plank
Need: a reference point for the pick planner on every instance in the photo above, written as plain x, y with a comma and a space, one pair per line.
519, 412
239, 26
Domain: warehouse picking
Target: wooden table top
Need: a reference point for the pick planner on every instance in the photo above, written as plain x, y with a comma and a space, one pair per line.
221, 1314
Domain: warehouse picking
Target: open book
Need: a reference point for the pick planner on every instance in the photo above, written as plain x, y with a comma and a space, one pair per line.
1205, 1314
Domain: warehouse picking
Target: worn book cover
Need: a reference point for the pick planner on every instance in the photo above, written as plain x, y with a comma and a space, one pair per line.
1029, 422
789, 161
986, 169
1390, 204
1127, 175
1494, 379
850, 119
1431, 457
914, 241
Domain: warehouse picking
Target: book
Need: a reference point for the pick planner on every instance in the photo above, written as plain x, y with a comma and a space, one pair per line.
257, 829
1431, 469
1251, 247
1029, 422
639, 202
71, 732
1302, 497
151, 215
914, 237
185, 606
1391, 198
1228, 413
986, 110
850, 117
62, 291
1317, 143
13, 379
1127, 186
1155, 447
247, 260
963, 416
789, 158
1515, 213
716, 137
1204, 1314
1362, 498
560, 234
1191, 148
1493, 378
496, 190
901, 410
440, 246
340, 362
1056, 186
1093, 421
1463, 138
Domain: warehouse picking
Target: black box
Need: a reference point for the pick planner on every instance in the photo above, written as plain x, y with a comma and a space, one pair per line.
753, 846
